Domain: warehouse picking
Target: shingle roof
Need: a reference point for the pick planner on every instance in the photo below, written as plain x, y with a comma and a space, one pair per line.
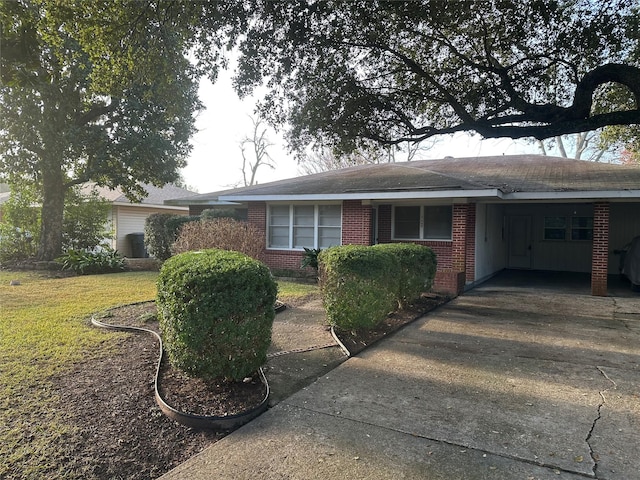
503, 174
156, 195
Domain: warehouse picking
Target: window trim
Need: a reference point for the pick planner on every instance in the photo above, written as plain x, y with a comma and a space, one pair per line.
292, 226
421, 232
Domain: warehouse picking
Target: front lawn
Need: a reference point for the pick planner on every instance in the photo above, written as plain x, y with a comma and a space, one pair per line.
44, 331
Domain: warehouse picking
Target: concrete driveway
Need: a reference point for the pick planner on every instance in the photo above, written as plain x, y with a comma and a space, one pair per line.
509, 381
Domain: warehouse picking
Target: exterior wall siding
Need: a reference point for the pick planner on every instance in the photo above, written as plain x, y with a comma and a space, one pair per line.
555, 255
126, 220
624, 225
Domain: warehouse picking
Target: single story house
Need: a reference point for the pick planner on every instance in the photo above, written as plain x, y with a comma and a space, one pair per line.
127, 217
479, 214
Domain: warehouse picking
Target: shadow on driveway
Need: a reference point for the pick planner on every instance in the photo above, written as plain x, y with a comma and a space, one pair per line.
509, 381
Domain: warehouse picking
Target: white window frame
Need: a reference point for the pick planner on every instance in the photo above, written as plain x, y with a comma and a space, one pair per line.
421, 234
568, 228
316, 226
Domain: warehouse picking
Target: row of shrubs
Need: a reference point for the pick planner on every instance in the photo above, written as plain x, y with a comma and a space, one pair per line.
216, 307
361, 285
167, 234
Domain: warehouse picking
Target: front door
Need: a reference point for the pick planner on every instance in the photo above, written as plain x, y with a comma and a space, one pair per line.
520, 241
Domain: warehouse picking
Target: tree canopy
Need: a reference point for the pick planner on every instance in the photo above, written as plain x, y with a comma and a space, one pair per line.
340, 71
62, 125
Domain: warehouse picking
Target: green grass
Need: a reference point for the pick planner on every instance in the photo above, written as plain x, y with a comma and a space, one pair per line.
44, 331
290, 291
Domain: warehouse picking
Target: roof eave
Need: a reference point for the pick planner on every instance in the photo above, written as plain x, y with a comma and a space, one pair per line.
482, 193
574, 195
150, 205
211, 201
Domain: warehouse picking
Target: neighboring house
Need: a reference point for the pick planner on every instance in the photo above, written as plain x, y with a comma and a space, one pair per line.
480, 215
127, 217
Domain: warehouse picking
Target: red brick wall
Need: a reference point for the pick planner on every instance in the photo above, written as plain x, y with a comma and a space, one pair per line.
600, 253
449, 282
283, 259
470, 243
356, 229
356, 223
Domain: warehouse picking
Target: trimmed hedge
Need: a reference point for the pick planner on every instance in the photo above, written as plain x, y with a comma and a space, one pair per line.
416, 269
361, 285
356, 287
211, 213
216, 310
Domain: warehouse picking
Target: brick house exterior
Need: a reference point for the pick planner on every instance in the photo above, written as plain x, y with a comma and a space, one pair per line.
480, 215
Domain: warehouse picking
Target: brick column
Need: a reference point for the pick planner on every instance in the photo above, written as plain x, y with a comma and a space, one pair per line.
356, 223
600, 252
459, 244
257, 215
470, 243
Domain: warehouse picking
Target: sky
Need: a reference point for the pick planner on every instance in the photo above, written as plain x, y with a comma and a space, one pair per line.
215, 162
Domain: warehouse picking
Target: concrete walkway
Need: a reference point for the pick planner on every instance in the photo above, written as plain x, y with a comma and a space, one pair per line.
504, 382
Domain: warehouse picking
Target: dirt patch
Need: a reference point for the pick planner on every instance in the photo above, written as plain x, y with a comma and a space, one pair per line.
120, 430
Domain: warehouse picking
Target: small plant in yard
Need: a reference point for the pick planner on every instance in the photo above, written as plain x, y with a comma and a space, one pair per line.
216, 310
86, 262
310, 258
416, 269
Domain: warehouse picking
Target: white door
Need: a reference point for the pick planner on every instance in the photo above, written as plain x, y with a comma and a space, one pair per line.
520, 241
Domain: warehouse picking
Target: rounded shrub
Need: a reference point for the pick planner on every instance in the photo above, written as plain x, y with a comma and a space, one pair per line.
216, 310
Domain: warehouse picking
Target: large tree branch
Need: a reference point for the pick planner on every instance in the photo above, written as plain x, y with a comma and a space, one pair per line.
539, 132
417, 69
96, 112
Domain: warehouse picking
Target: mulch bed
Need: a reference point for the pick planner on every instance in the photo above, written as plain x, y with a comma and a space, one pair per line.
121, 432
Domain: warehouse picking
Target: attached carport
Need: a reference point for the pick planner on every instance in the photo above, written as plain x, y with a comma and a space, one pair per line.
556, 236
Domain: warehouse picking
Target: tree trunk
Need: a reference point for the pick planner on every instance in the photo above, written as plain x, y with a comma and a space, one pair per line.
53, 193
